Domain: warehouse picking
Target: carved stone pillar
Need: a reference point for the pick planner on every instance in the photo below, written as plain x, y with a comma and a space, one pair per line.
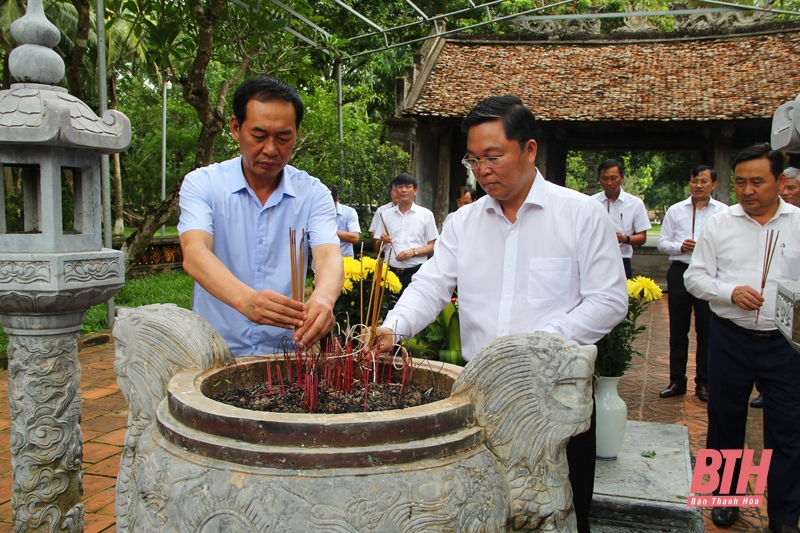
52, 269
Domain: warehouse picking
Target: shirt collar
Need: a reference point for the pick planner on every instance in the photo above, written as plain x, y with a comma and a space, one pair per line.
285, 186
339, 210
414, 207
783, 208
537, 195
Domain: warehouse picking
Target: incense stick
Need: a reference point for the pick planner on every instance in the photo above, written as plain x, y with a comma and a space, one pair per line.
694, 214
769, 253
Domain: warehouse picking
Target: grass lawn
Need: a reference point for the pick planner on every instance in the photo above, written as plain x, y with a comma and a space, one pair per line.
174, 287
655, 230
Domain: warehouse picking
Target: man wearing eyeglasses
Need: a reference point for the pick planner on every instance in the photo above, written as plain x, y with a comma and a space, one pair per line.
682, 225
529, 256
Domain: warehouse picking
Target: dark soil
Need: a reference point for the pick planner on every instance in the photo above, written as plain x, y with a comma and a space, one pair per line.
382, 397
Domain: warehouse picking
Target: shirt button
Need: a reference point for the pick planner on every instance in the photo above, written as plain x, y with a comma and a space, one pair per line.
512, 232
502, 330
509, 265
260, 241
259, 269
506, 296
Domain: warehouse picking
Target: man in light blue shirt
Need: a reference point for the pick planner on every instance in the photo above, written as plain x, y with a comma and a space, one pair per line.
234, 230
347, 227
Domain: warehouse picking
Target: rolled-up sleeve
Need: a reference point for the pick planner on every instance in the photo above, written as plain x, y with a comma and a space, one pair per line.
195, 203
322, 218
667, 244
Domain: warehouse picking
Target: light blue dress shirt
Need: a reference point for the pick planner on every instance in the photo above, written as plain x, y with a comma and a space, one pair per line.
252, 241
347, 220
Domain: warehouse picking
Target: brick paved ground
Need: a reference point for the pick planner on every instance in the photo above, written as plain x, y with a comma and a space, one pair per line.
105, 417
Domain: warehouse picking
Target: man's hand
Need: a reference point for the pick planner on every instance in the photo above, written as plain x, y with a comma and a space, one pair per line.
273, 309
385, 339
404, 255
687, 246
747, 298
621, 237
318, 323
385, 238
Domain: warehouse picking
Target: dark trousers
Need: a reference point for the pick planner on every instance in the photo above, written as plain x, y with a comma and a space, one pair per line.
681, 304
626, 262
404, 275
735, 361
581, 453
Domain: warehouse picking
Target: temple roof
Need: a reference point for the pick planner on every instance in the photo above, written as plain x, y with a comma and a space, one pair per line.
726, 78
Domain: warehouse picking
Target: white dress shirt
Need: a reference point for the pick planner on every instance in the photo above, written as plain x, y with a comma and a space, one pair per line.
628, 216
376, 218
556, 269
677, 227
413, 229
730, 253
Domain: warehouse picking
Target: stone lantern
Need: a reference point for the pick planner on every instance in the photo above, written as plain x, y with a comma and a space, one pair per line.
52, 269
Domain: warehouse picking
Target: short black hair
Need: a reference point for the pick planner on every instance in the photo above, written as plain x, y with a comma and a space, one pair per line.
608, 163
762, 151
468, 190
405, 179
334, 192
265, 89
702, 168
518, 121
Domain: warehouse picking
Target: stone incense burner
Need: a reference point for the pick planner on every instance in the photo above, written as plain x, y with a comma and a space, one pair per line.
490, 458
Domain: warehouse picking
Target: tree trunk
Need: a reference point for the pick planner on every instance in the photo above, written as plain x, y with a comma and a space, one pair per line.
74, 61
116, 181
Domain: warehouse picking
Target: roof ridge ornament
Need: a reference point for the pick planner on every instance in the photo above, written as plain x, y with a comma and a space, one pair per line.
35, 61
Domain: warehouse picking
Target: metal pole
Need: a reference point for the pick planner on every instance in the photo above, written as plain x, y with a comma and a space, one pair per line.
338, 68
167, 85
105, 181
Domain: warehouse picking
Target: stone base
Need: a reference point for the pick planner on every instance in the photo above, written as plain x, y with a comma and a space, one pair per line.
640, 494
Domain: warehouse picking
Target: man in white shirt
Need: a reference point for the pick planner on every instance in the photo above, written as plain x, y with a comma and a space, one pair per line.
682, 224
791, 190
407, 230
529, 256
727, 269
466, 195
347, 228
627, 212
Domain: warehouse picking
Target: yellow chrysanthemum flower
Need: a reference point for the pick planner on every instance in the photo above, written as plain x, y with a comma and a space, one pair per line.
633, 289
368, 264
648, 288
352, 268
393, 282
348, 285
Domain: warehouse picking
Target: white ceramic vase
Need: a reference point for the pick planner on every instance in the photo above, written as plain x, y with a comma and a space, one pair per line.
612, 417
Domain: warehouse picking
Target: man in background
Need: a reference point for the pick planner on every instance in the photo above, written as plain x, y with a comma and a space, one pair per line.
466, 195
627, 212
347, 227
407, 230
791, 189
728, 270
376, 217
682, 224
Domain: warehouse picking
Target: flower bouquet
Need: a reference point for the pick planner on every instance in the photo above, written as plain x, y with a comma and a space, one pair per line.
615, 351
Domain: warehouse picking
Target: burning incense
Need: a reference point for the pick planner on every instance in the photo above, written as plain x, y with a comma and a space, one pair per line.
769, 253
297, 265
694, 215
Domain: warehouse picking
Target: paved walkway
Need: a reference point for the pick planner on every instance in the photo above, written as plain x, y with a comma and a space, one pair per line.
105, 418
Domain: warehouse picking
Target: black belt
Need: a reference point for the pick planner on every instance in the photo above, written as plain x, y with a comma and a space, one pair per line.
756, 335
401, 271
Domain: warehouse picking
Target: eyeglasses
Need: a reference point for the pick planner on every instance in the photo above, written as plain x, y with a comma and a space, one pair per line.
490, 162
699, 182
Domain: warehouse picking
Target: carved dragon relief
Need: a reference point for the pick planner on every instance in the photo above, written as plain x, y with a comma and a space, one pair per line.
531, 393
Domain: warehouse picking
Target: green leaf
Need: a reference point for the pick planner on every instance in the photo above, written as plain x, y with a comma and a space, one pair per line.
649, 455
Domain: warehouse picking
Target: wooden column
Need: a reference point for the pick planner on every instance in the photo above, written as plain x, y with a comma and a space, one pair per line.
556, 162
442, 200
723, 152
